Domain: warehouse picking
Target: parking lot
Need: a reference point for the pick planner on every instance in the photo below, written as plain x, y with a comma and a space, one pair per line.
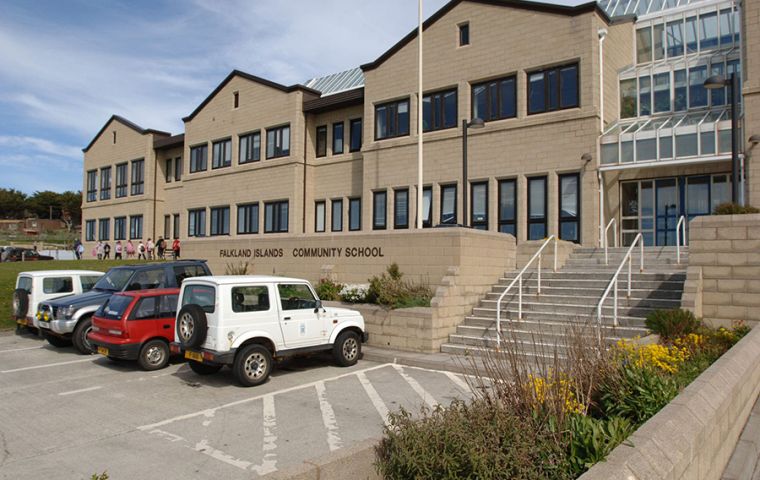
66, 415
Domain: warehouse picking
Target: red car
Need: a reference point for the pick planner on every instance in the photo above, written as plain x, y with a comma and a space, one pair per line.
136, 325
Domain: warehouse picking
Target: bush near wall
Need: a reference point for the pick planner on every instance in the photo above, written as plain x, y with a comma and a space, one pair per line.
735, 209
389, 290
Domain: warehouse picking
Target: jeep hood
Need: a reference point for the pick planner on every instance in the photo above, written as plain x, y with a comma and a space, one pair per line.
341, 312
93, 297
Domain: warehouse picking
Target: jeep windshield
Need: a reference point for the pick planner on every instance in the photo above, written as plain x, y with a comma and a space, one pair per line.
115, 280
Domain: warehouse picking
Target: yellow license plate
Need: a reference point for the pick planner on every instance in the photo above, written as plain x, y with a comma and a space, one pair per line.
103, 351
193, 356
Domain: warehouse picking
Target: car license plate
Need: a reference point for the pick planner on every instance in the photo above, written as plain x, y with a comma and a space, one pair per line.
21, 321
193, 356
103, 351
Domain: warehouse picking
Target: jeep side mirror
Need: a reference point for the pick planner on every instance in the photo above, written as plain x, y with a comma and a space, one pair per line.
318, 306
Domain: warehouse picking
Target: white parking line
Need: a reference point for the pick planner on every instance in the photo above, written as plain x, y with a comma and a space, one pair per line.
212, 452
458, 381
48, 365
269, 462
81, 390
328, 418
374, 397
426, 397
21, 349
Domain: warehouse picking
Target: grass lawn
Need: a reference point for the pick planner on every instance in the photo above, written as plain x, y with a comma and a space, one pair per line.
10, 270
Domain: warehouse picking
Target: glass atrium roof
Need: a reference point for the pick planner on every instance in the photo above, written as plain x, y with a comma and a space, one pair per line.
338, 82
617, 8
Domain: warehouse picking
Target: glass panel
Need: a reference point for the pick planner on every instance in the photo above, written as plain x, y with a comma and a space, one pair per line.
717, 95
708, 142
679, 90
628, 104
667, 211
691, 35
630, 203
666, 147
553, 80
479, 203
296, 296
646, 149
708, 30
450, 109
401, 208
662, 92
507, 200
724, 141
250, 299
337, 215
726, 39
659, 41
647, 199
536, 97
626, 152
721, 191
381, 122
355, 214
568, 80
609, 153
697, 196
508, 100
537, 188
644, 45
568, 196
448, 204
320, 217
674, 38
645, 95
379, 210
403, 118
697, 90
568, 230
427, 202
686, 145
427, 113
479, 105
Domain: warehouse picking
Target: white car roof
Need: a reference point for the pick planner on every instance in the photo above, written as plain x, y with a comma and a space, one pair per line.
58, 273
237, 279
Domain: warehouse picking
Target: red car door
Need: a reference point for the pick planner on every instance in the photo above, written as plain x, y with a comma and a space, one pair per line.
167, 311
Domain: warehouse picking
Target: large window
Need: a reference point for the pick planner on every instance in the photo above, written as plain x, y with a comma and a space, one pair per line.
427, 207
337, 215
105, 183
356, 135
644, 45
697, 90
220, 221
92, 185
121, 180
178, 169
439, 110
322, 141
662, 92
104, 228
479, 205
167, 226
136, 226
176, 225
645, 95
674, 38
250, 148
319, 216
708, 30
679, 90
248, 218
169, 171
278, 142
276, 217
138, 177
120, 228
198, 158
553, 89
221, 154
691, 35
354, 214
449, 205
89, 230
570, 207
196, 222
392, 119
495, 99
379, 209
536, 208
401, 208
508, 207
337, 139
628, 98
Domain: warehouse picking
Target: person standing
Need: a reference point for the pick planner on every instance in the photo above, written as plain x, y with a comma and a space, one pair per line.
80, 250
117, 250
150, 247
76, 249
106, 251
130, 249
99, 250
175, 249
141, 251
160, 246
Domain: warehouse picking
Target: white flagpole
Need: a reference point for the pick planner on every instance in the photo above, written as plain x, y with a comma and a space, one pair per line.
419, 115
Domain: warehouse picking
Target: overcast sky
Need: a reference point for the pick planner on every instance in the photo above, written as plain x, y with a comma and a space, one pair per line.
67, 65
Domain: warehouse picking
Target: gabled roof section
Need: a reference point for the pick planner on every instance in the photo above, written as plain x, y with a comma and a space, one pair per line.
337, 100
253, 78
126, 123
338, 82
520, 4
169, 142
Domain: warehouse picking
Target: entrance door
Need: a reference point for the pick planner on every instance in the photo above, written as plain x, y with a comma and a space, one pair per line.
666, 198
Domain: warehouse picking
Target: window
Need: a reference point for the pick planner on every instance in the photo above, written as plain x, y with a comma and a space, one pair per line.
726, 38
120, 228
167, 226
176, 226
188, 271
296, 296
495, 99
644, 45
337, 142
92, 185
319, 216
536, 208
697, 90
439, 110
508, 207
121, 180
553, 89
717, 95
356, 135
379, 206
708, 30
322, 141
401, 208
114, 137
220, 221
278, 142
449, 205
148, 279
167, 307
662, 92
178, 169
198, 158
104, 227
88, 281
354, 214
136, 226
169, 170
248, 218
569, 207
276, 217
464, 34
691, 35
221, 154
145, 309
479, 205
628, 98
202, 295
645, 95
659, 41
105, 183
250, 148
138, 177
196, 222
250, 299
392, 119
427, 207
337, 215
89, 234
235, 99
57, 285
679, 90
675, 38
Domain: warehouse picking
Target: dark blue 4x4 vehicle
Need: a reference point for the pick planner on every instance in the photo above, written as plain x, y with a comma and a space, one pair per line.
68, 320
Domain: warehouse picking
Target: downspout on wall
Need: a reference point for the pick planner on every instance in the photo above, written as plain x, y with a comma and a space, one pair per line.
602, 35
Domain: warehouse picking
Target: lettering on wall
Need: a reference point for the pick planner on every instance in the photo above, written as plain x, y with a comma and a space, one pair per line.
304, 252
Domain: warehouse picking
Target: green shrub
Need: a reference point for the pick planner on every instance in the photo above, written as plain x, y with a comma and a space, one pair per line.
468, 441
592, 439
635, 393
102, 476
672, 324
328, 290
734, 209
354, 294
391, 291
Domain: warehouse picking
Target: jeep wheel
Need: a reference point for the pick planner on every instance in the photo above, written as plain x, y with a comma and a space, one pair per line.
56, 341
154, 355
20, 303
347, 349
79, 338
203, 368
252, 366
191, 326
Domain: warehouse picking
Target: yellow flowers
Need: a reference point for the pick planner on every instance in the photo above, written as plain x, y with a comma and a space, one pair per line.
552, 389
659, 357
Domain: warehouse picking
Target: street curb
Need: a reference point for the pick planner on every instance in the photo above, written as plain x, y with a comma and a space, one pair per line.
350, 463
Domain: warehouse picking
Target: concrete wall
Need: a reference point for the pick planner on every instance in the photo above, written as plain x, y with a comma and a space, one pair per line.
727, 250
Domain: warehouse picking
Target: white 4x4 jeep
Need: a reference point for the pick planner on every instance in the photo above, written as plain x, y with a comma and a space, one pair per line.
247, 321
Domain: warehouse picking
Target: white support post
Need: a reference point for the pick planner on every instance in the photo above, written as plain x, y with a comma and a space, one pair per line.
519, 299
539, 275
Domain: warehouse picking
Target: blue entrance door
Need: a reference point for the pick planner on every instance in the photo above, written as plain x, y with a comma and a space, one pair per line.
667, 210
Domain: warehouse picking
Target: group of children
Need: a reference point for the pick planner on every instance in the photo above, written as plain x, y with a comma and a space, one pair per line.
144, 251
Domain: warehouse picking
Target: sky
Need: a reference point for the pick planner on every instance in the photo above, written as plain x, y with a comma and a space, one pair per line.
66, 66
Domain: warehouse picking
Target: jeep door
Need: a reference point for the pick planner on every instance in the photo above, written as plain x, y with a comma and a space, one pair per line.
301, 325
252, 310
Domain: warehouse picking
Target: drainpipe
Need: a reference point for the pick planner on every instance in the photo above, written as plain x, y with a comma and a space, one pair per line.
303, 194
602, 32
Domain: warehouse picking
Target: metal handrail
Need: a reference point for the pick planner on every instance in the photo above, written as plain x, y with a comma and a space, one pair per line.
519, 279
681, 226
614, 283
612, 223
